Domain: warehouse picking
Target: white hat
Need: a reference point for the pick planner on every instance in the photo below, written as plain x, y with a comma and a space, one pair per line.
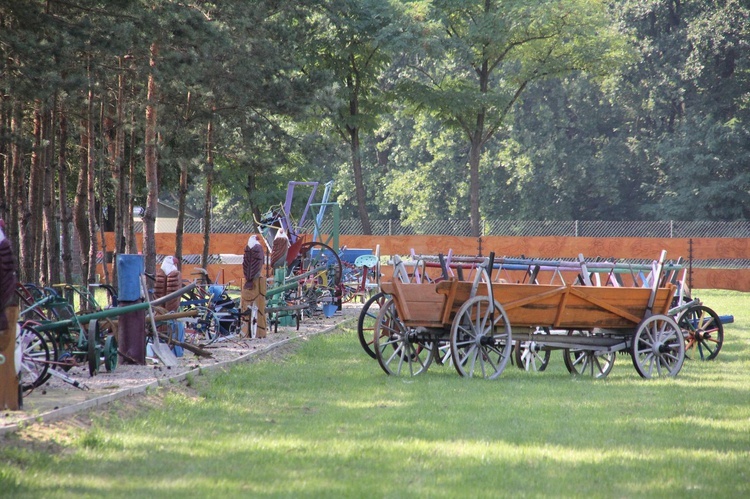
252, 241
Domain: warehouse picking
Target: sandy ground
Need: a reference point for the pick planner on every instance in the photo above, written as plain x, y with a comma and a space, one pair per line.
56, 399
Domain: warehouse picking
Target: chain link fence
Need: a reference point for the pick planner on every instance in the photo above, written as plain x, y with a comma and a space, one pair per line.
563, 228
570, 228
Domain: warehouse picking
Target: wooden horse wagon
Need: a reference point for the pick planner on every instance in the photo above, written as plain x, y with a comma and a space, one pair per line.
474, 324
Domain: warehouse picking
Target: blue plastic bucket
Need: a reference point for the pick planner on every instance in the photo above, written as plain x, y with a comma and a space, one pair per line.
129, 271
329, 309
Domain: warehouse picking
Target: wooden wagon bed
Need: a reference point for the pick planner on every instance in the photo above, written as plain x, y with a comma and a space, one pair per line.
419, 321
529, 305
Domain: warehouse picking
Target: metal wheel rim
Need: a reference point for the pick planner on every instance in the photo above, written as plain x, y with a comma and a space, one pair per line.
110, 353
35, 358
308, 260
93, 350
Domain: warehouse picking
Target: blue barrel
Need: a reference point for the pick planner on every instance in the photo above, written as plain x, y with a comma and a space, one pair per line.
129, 271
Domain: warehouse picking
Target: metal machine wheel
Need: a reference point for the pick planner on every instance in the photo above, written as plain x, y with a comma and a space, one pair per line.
400, 352
207, 326
94, 351
319, 256
110, 353
367, 320
588, 362
531, 355
703, 331
480, 338
658, 347
35, 359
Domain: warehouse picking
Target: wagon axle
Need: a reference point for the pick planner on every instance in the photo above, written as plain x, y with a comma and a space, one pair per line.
701, 335
487, 340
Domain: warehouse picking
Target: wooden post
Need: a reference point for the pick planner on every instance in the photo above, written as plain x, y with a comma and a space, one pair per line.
10, 398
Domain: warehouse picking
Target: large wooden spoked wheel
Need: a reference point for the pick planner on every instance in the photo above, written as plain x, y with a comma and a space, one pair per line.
658, 347
480, 338
442, 352
398, 349
592, 363
703, 331
532, 355
367, 319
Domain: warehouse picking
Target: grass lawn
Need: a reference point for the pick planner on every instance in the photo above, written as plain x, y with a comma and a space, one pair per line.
327, 422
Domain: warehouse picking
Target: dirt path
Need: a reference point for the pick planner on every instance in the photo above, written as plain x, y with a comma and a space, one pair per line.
57, 400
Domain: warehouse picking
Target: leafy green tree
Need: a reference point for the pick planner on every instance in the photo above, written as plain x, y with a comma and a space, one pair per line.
482, 55
354, 44
686, 101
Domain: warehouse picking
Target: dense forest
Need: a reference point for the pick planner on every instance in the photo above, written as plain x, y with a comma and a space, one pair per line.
418, 109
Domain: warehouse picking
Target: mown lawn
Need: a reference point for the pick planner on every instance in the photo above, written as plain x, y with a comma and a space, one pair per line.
327, 422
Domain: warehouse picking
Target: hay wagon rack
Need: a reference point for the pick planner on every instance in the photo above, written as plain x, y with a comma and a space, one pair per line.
473, 324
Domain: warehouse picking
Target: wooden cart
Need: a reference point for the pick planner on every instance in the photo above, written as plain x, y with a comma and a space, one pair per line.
474, 324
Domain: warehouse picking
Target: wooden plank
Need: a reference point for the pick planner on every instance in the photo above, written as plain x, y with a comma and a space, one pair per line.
587, 292
563, 302
664, 296
532, 297
575, 307
450, 293
417, 304
391, 289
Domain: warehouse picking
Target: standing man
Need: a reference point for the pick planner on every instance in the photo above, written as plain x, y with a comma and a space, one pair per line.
9, 395
254, 290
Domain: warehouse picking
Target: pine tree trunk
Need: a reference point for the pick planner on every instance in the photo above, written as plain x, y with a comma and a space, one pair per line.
36, 229
207, 199
152, 180
119, 174
130, 242
90, 194
4, 158
52, 237
29, 218
181, 202
79, 206
102, 228
65, 215
18, 173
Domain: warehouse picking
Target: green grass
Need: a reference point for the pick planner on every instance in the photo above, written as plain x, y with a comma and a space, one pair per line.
327, 422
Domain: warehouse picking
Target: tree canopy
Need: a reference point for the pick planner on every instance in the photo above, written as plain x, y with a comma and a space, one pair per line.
513, 109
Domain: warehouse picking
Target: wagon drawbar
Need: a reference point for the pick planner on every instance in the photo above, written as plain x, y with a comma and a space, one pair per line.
473, 324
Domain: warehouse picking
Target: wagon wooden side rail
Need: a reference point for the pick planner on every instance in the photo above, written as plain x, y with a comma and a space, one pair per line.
479, 321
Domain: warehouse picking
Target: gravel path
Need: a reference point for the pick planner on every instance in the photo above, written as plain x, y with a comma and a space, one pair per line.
57, 399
